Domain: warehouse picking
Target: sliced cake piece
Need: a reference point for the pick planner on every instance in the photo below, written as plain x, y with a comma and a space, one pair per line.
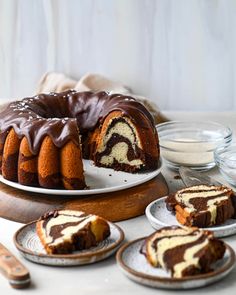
183, 251
122, 145
202, 205
64, 231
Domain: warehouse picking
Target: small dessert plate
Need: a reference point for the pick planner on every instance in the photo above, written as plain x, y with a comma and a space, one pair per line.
99, 180
159, 216
28, 243
135, 266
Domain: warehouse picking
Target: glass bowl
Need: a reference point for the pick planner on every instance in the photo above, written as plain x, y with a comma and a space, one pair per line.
225, 158
192, 144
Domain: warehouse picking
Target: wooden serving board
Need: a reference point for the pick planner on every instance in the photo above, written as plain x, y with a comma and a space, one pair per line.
24, 206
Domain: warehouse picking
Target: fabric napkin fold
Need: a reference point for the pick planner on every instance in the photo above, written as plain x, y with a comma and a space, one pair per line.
58, 82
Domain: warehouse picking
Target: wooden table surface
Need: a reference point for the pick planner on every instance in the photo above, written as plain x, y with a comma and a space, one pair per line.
105, 277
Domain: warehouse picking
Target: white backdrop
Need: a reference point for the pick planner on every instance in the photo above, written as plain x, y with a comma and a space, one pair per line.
179, 53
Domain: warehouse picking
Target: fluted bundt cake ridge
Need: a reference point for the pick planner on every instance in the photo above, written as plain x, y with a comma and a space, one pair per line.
115, 131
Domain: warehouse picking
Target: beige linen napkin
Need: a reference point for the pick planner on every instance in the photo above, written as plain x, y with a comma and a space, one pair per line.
3, 105
57, 82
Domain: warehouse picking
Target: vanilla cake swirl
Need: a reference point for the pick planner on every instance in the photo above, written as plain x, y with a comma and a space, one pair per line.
183, 251
64, 231
202, 205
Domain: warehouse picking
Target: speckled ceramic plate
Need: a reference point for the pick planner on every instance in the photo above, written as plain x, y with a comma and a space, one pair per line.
29, 245
159, 216
136, 267
99, 180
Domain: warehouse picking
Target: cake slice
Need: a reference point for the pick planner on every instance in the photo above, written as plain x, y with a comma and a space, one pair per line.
203, 205
64, 231
183, 251
124, 146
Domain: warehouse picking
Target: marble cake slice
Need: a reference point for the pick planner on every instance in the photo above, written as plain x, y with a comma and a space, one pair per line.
183, 251
202, 205
64, 231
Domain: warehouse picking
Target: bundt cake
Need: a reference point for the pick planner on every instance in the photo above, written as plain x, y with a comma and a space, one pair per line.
64, 231
43, 138
183, 251
203, 205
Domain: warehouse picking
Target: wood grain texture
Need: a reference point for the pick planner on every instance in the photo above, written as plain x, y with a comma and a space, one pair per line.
13, 269
24, 207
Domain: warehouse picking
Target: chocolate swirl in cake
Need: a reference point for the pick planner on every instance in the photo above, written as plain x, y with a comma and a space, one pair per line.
202, 205
180, 250
64, 225
203, 198
64, 231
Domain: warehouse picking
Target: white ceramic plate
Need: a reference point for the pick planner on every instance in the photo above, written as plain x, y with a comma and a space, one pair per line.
136, 267
99, 180
27, 242
159, 216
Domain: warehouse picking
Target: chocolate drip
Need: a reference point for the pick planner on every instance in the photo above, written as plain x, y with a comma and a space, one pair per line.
60, 114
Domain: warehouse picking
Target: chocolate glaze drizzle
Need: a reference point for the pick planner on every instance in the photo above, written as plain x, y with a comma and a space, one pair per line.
59, 115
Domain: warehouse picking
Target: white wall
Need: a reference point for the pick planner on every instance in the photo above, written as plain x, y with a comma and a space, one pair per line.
180, 53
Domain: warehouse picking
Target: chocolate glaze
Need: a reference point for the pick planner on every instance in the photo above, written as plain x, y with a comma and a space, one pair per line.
60, 114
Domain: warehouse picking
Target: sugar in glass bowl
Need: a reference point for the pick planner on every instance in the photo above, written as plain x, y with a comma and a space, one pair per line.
191, 143
225, 158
